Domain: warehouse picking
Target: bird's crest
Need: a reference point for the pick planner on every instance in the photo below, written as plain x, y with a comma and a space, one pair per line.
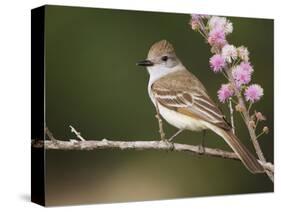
160, 48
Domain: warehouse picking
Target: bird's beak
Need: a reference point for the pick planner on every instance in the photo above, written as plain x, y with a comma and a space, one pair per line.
145, 63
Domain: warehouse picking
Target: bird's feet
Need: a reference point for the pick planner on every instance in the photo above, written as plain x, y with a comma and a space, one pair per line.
170, 145
201, 149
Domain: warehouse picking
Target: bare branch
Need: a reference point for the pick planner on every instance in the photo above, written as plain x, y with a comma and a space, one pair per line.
83, 144
139, 145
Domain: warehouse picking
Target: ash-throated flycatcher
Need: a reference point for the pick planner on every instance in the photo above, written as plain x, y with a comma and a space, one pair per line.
183, 101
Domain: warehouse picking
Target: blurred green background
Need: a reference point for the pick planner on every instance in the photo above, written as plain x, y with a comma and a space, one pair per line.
92, 83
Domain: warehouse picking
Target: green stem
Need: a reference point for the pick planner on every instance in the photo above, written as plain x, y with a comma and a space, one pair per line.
260, 134
250, 107
257, 123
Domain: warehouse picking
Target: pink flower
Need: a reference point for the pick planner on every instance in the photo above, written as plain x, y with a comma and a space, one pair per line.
194, 24
246, 66
199, 16
253, 93
225, 92
195, 16
217, 37
196, 19
221, 23
242, 73
217, 63
205, 16
229, 52
260, 116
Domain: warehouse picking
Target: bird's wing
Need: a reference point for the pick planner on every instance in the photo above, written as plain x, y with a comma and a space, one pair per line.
184, 93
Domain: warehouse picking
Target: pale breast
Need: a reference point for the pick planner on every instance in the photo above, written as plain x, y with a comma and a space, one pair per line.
181, 121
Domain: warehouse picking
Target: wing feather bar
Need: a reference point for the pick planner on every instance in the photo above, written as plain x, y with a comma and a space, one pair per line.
173, 99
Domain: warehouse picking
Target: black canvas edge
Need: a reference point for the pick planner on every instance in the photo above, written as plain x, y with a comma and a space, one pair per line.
37, 104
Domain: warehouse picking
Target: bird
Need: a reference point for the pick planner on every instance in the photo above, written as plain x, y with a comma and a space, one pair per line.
183, 101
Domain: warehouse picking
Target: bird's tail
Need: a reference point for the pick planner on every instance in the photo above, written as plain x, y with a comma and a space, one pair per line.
243, 153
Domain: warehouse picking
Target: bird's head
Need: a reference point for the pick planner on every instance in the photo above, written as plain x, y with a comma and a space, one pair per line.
161, 58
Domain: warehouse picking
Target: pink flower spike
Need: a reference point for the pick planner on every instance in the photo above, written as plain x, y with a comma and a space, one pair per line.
217, 37
253, 93
225, 92
217, 63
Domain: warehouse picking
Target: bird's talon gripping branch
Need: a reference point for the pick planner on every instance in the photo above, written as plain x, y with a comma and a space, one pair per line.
201, 149
170, 145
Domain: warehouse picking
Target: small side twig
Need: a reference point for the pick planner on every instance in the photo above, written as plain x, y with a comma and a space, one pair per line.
50, 135
78, 134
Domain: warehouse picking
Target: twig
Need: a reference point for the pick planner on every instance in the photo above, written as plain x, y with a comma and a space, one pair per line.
202, 30
50, 135
139, 145
250, 107
231, 115
78, 134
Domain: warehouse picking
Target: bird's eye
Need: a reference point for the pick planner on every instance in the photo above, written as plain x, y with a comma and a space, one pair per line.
164, 58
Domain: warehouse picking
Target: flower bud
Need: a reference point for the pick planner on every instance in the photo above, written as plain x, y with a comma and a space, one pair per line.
252, 124
260, 116
194, 25
239, 108
265, 130
243, 53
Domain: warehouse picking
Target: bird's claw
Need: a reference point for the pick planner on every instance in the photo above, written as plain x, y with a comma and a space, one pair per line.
201, 149
170, 145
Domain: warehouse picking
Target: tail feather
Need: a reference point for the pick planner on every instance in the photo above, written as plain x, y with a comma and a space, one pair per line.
243, 153
247, 158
